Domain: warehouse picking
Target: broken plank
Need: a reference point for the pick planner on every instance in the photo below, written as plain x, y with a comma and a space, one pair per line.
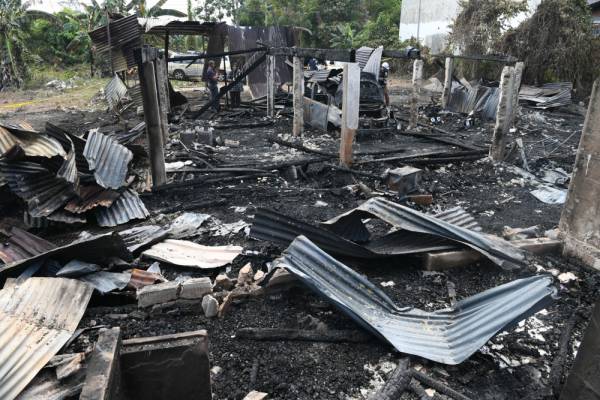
397, 384
458, 258
333, 336
102, 379
437, 385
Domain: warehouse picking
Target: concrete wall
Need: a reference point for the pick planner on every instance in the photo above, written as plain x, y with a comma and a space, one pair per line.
435, 18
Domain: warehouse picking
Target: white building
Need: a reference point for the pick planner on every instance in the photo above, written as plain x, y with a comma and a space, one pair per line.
429, 20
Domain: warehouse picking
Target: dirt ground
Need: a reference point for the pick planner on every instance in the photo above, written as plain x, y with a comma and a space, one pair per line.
518, 363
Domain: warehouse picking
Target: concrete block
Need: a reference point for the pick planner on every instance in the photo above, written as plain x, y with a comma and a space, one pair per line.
157, 294
404, 180
210, 305
195, 288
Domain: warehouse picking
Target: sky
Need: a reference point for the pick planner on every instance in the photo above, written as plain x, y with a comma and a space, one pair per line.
57, 5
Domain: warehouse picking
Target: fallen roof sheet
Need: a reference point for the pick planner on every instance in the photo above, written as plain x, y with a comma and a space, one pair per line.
343, 237
127, 207
189, 254
95, 249
548, 95
140, 237
114, 91
33, 143
108, 159
499, 251
478, 98
43, 191
22, 245
105, 282
274, 227
67, 139
449, 336
37, 318
90, 197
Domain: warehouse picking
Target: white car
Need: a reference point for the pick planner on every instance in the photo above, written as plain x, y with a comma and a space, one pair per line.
182, 70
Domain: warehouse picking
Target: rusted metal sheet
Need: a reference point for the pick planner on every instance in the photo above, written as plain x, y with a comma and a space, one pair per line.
127, 207
141, 278
90, 197
125, 35
96, 249
189, 254
37, 318
22, 245
67, 139
108, 159
448, 336
34, 144
501, 252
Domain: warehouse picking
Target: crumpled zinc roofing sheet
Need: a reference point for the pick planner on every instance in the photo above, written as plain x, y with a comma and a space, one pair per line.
108, 159
189, 254
114, 91
271, 226
22, 245
33, 143
499, 251
37, 318
90, 197
127, 207
43, 191
479, 98
95, 249
140, 237
448, 336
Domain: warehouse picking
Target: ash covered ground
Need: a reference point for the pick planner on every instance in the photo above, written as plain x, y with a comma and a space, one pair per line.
519, 363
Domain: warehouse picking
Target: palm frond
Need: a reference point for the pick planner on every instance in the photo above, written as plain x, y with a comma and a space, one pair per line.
166, 11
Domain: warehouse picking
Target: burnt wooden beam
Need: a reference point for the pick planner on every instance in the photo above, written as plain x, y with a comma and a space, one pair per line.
103, 373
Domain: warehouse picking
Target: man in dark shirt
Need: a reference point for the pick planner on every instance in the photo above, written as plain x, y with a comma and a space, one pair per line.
313, 64
212, 80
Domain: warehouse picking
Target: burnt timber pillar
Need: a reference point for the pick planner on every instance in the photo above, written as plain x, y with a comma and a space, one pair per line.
582, 382
580, 220
447, 82
417, 82
270, 86
146, 58
298, 127
519, 68
503, 115
350, 111
162, 84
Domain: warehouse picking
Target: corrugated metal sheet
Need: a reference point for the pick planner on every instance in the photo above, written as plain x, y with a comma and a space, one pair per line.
478, 98
22, 245
549, 95
68, 169
33, 143
448, 336
143, 236
189, 254
68, 139
37, 318
141, 278
278, 228
125, 35
106, 282
43, 191
501, 252
90, 197
108, 159
373, 65
362, 56
127, 207
95, 249
114, 91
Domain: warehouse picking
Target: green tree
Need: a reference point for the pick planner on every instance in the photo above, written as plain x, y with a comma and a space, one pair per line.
141, 9
14, 17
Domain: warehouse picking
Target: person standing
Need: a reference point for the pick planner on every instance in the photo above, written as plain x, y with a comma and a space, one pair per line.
212, 80
383, 78
236, 90
313, 64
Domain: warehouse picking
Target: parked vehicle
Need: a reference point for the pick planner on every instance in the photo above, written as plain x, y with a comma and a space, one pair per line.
182, 70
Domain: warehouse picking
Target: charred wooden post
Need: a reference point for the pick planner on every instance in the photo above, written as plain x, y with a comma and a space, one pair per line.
417, 82
298, 128
580, 220
447, 82
582, 382
396, 384
270, 86
163, 95
146, 58
103, 372
350, 111
503, 115
519, 68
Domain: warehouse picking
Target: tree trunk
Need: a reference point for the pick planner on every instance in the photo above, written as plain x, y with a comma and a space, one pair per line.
11, 57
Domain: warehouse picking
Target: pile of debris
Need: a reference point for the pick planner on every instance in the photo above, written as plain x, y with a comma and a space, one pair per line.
61, 177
